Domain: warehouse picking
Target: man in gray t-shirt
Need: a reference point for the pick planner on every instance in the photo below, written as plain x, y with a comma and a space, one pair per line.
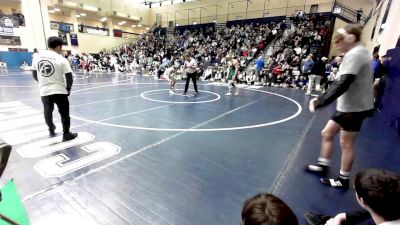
353, 90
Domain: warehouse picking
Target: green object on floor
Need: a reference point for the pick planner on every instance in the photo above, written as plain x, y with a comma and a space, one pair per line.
11, 205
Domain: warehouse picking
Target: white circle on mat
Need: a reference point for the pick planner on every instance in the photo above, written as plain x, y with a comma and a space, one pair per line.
143, 95
294, 115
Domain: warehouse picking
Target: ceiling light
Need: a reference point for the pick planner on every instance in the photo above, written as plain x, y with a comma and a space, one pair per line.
77, 16
51, 11
83, 14
214, 21
139, 25
177, 24
133, 26
57, 9
147, 28
194, 23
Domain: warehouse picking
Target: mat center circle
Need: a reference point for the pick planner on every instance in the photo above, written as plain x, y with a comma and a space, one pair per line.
187, 99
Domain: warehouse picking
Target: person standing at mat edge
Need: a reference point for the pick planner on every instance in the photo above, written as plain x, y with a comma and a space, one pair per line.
54, 75
354, 90
191, 69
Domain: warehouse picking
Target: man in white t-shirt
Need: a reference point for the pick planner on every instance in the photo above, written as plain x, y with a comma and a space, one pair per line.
54, 76
354, 90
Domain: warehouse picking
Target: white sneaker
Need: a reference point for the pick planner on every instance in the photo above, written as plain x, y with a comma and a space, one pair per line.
228, 93
171, 92
308, 93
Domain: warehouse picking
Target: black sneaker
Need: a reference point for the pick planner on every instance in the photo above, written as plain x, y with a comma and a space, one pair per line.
336, 182
52, 132
315, 219
5, 150
69, 136
319, 170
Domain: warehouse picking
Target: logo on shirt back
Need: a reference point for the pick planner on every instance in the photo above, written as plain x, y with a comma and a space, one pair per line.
46, 68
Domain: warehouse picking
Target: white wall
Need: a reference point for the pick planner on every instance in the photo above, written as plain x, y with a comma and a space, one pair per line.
238, 8
339, 23
387, 39
90, 43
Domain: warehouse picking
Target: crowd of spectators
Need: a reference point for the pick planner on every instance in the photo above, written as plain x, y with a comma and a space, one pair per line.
212, 49
292, 59
295, 61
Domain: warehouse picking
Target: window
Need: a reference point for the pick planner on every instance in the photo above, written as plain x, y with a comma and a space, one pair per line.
314, 9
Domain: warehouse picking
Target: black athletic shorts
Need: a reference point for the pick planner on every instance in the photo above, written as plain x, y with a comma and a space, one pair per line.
351, 121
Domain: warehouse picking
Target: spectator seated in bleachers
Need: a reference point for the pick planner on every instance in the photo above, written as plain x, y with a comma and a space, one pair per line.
25, 66
251, 78
207, 75
301, 82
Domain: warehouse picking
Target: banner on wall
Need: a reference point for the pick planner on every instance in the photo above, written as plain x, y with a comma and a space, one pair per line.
14, 20
18, 49
10, 40
54, 26
63, 36
96, 31
117, 33
74, 39
6, 30
64, 27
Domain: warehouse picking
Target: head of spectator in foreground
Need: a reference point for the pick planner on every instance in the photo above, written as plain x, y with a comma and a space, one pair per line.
375, 55
378, 191
266, 209
347, 37
55, 44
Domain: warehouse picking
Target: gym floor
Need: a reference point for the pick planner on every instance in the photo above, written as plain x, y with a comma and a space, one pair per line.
146, 157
